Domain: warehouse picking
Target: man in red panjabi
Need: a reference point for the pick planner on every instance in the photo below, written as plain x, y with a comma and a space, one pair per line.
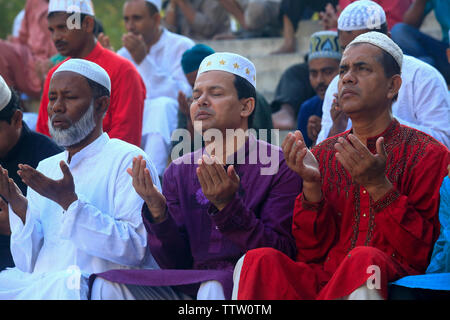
368, 213
123, 120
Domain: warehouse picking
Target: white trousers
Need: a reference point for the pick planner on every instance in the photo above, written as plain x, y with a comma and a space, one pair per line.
105, 290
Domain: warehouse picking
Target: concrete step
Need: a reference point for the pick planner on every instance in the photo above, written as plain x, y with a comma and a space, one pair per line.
269, 67
257, 47
431, 26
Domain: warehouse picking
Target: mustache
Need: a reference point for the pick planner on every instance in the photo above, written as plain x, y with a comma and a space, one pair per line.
205, 110
60, 42
321, 86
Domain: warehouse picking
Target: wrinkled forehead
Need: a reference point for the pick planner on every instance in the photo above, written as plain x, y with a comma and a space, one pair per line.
69, 80
214, 78
357, 52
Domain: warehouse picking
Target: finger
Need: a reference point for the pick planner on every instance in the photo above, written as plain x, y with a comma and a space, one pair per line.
350, 150
201, 179
135, 167
148, 180
299, 157
344, 161
359, 146
299, 145
65, 170
288, 140
381, 148
231, 172
206, 177
344, 155
3, 205
212, 172
130, 172
222, 173
299, 136
141, 173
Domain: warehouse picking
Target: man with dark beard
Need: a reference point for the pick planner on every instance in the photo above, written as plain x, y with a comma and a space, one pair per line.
81, 214
323, 62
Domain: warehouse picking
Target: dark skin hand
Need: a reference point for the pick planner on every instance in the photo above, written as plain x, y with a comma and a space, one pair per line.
300, 160
12, 194
313, 128
218, 186
340, 119
366, 169
4, 218
143, 184
61, 191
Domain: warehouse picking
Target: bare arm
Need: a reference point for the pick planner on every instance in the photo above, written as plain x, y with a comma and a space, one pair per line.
414, 15
187, 10
171, 15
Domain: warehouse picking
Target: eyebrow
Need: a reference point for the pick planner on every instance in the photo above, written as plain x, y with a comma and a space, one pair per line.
357, 64
133, 16
210, 88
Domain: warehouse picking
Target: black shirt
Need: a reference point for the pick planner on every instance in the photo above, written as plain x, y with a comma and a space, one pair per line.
31, 148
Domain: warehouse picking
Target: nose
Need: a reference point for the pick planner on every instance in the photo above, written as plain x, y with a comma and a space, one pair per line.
348, 76
56, 35
55, 106
129, 25
202, 101
320, 78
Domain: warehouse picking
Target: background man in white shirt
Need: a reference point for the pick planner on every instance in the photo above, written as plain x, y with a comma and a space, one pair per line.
157, 53
423, 100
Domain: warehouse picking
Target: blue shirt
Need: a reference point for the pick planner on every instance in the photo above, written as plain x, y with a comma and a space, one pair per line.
310, 107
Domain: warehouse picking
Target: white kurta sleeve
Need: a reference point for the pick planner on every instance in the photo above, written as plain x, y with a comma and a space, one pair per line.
327, 122
26, 240
118, 236
431, 105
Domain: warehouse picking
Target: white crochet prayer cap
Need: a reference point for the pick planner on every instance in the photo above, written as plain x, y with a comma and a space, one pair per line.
87, 69
156, 3
383, 42
360, 15
5, 94
229, 62
71, 6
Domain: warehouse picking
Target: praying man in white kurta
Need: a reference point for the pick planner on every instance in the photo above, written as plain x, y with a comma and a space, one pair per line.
81, 214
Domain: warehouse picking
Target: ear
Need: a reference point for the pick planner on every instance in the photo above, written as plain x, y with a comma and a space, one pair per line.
88, 24
101, 105
16, 119
157, 17
248, 105
394, 86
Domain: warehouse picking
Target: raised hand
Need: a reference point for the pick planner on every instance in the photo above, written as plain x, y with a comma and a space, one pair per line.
61, 191
365, 168
300, 160
135, 44
143, 184
340, 119
313, 127
4, 218
218, 186
12, 194
329, 17
104, 41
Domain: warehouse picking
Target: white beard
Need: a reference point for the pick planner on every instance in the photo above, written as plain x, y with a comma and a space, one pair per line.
76, 132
